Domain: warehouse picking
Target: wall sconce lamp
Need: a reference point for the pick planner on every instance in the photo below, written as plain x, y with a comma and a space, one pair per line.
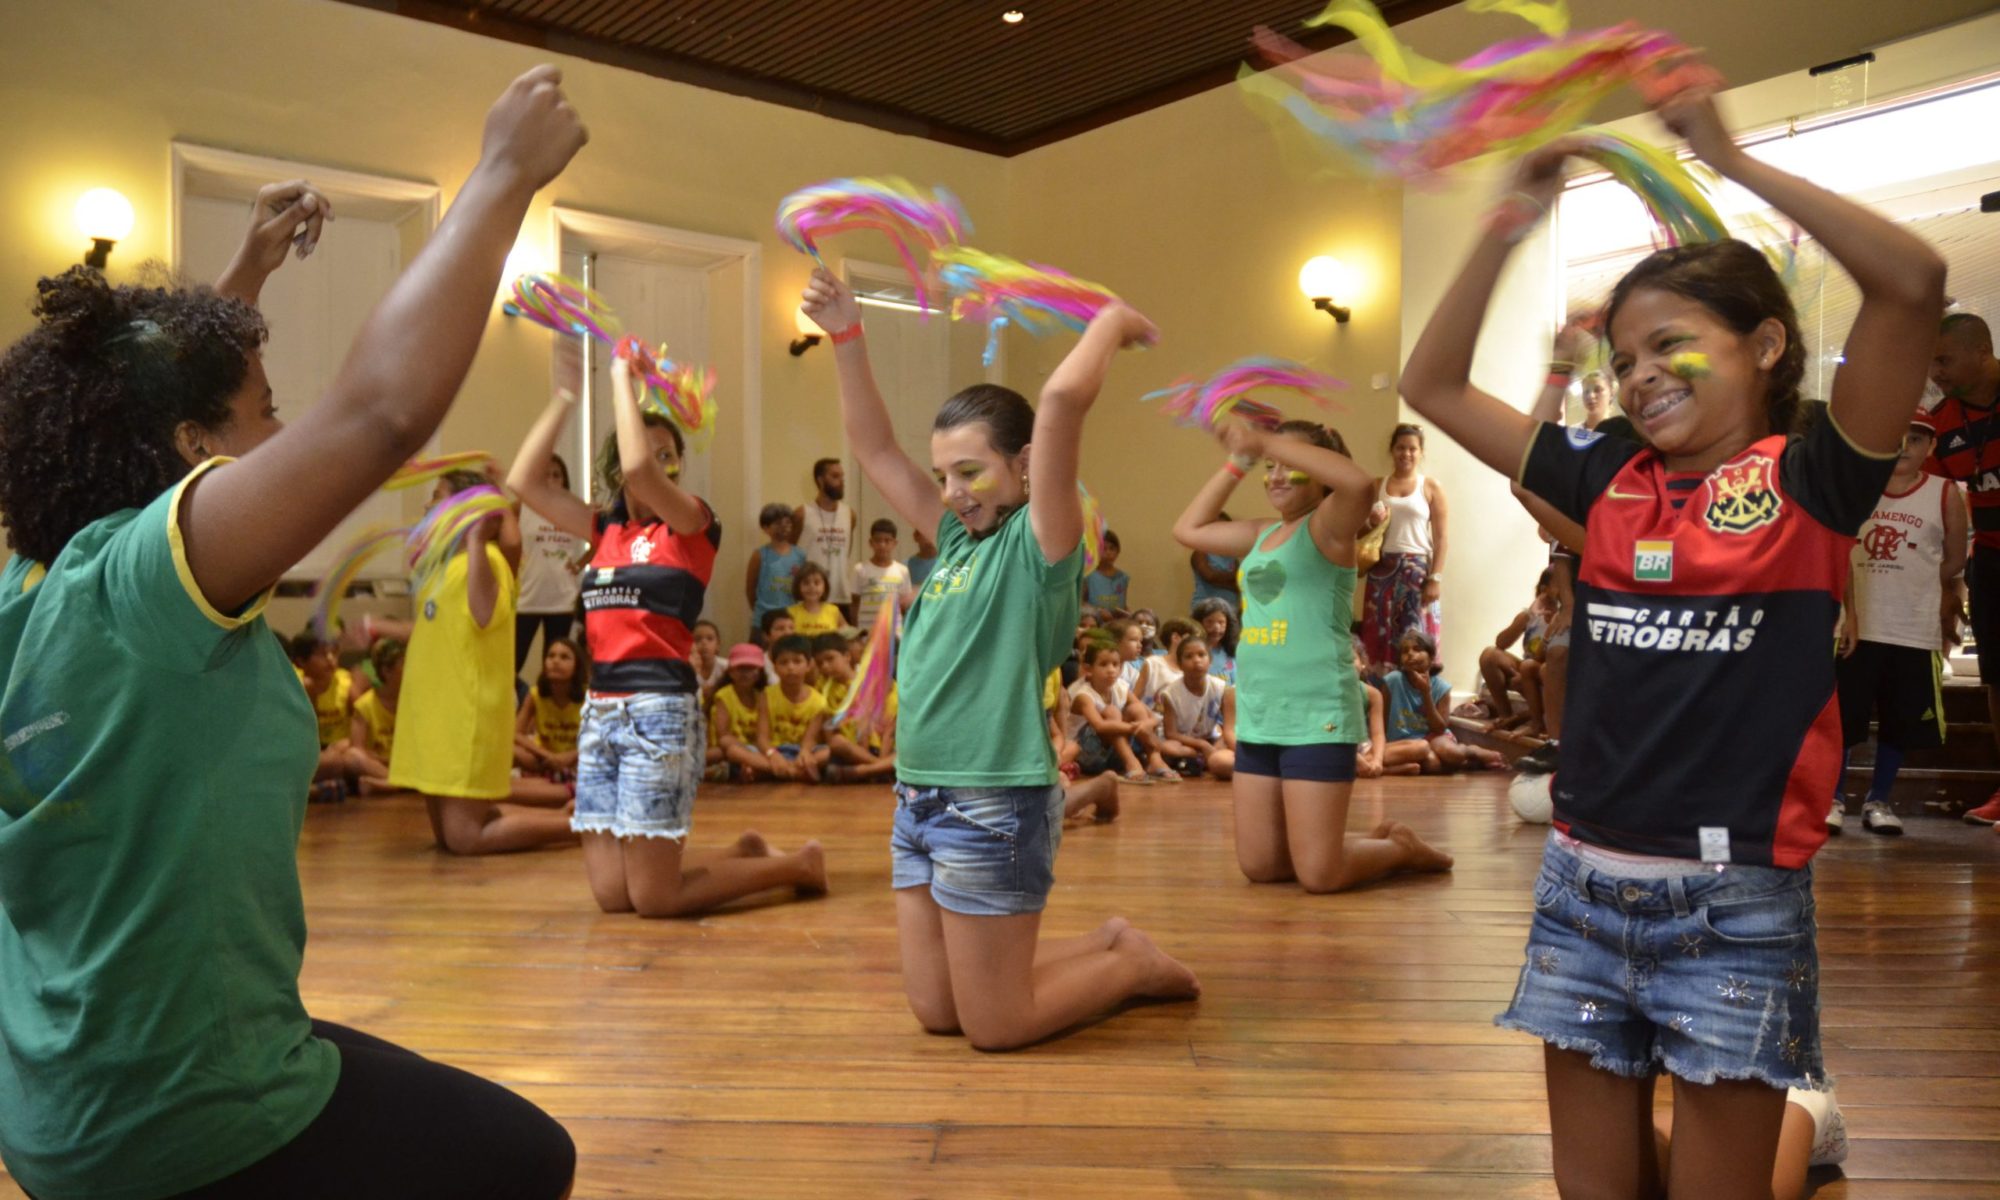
810, 334
1321, 279
105, 217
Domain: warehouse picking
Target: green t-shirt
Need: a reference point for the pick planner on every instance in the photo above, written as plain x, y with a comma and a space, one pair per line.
154, 761
992, 620
1295, 679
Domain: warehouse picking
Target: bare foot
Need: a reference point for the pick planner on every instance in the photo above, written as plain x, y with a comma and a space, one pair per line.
813, 860
753, 845
1385, 829
1423, 855
1112, 927
1162, 975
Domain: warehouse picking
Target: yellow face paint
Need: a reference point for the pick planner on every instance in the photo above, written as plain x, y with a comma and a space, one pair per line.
1690, 364
983, 483
1295, 478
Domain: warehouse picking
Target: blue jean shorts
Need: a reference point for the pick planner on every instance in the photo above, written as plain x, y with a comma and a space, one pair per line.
985, 852
1709, 976
638, 760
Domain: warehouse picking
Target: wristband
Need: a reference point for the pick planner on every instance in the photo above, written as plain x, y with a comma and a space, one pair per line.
1236, 470
846, 335
1516, 216
1558, 380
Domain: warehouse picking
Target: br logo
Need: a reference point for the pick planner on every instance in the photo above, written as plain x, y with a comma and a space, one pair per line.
1882, 542
1742, 496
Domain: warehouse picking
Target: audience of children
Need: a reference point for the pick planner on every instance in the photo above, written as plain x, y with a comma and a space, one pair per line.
1197, 713
771, 572
1105, 589
1417, 701
791, 729
1220, 628
546, 725
735, 715
333, 690
857, 755
372, 730
1503, 670
1101, 729
1142, 676
879, 578
812, 614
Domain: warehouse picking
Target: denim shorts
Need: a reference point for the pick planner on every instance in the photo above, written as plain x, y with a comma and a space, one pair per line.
985, 852
1093, 757
638, 760
1711, 976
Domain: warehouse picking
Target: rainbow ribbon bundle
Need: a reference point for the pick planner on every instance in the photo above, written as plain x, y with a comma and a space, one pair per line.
680, 392
1395, 113
1674, 195
1093, 529
419, 471
427, 547
1002, 291
875, 676
1207, 403
893, 207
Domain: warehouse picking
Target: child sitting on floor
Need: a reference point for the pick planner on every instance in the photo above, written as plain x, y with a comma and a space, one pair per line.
1416, 726
1143, 678
546, 725
791, 731
372, 730
854, 758
706, 659
1503, 670
1099, 728
332, 689
735, 715
1199, 714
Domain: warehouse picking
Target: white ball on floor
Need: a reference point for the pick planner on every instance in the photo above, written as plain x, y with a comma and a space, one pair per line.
1529, 794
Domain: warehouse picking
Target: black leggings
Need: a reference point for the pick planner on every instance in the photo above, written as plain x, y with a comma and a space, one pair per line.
400, 1125
552, 625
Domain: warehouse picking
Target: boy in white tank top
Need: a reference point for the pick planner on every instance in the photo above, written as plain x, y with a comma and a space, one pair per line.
1902, 611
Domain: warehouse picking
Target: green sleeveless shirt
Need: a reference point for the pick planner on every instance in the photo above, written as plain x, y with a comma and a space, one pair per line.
1295, 680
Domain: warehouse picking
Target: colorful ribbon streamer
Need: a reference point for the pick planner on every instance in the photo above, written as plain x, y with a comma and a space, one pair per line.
893, 207
1002, 291
1093, 529
1207, 403
420, 471
331, 591
867, 704
1676, 197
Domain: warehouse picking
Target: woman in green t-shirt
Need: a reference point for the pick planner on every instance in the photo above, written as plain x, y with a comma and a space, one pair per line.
151, 922
1299, 710
979, 810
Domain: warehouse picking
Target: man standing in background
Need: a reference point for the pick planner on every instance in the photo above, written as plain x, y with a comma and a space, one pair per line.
825, 528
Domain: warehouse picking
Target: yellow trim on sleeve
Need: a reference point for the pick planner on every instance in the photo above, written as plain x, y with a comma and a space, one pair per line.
1863, 451
251, 611
35, 573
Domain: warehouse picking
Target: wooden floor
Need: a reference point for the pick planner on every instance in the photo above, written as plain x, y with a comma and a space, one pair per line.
1343, 1047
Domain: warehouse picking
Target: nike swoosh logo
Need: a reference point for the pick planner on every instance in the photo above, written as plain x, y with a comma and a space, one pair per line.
1615, 494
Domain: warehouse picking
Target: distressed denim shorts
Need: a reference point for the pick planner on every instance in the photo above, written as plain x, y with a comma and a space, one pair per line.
985, 852
1709, 976
638, 760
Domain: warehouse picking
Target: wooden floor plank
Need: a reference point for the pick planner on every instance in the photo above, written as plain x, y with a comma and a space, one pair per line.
1344, 1044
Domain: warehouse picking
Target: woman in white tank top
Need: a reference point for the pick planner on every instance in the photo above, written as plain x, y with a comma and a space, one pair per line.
1404, 588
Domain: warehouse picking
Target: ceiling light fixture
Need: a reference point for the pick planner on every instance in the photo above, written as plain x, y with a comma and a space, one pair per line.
1013, 16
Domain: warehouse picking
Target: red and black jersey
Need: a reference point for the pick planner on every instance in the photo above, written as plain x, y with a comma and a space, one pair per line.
1701, 687
642, 594
1968, 450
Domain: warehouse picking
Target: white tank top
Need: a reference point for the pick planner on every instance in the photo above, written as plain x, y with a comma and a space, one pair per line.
1409, 529
827, 539
1895, 567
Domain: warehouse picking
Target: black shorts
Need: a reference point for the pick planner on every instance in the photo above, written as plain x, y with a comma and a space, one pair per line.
1898, 687
1320, 762
1982, 575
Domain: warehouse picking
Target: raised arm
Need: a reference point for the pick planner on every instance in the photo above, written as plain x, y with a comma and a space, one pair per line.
284, 217
1350, 490
1053, 504
645, 477
529, 476
248, 523
1901, 279
1202, 528
907, 487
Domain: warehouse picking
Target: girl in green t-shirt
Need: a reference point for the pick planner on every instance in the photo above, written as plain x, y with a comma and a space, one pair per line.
979, 810
1299, 711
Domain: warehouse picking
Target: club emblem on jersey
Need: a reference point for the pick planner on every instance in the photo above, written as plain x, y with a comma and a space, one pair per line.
642, 549
1743, 496
1653, 562
1882, 542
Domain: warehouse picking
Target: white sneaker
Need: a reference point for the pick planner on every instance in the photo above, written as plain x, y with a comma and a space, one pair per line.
1829, 1127
1836, 817
1876, 817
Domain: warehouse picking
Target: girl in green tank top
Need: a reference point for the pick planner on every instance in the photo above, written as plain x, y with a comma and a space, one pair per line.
1299, 708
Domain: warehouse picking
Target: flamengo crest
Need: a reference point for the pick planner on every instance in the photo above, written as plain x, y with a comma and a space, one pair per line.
1743, 496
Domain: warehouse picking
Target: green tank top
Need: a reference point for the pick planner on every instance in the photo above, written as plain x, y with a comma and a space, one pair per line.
1295, 680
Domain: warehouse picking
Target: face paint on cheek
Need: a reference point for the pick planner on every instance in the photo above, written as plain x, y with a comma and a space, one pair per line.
1690, 365
982, 483
1295, 478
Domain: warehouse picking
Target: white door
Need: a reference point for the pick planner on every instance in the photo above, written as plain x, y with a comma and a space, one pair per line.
314, 309
659, 302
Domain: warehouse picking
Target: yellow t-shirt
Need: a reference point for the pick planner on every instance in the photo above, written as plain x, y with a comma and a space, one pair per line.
381, 719
789, 720
741, 718
331, 708
1052, 690
826, 620
835, 691
851, 725
457, 739
556, 724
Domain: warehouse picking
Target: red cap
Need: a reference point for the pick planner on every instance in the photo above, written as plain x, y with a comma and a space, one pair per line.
743, 654
1925, 421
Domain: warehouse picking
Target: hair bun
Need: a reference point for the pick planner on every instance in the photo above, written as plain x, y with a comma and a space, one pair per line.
77, 305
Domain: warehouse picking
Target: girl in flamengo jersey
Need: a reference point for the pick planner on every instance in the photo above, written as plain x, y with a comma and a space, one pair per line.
1702, 741
1299, 708
643, 742
979, 805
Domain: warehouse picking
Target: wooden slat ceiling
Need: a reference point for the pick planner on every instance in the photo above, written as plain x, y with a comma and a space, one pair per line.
950, 70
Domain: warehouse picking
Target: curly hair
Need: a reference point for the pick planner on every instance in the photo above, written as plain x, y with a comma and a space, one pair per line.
90, 399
